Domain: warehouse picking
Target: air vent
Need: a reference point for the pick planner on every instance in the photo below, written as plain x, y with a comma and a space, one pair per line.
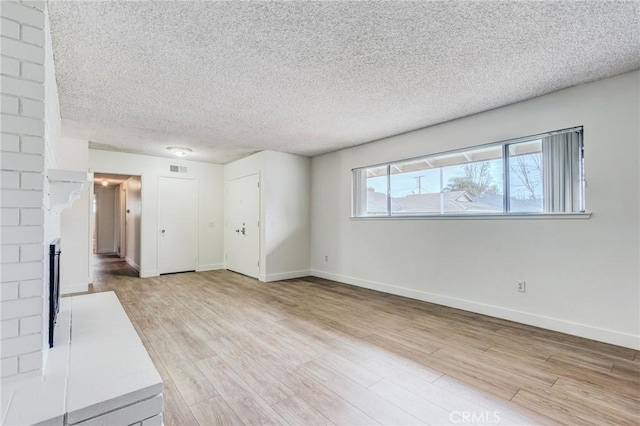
178, 169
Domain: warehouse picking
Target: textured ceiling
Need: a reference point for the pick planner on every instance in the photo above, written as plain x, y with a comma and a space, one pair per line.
230, 78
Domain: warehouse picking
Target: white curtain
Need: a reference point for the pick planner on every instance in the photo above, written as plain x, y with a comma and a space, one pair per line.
561, 172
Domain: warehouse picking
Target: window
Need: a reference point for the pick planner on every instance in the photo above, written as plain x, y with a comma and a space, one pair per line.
537, 174
372, 184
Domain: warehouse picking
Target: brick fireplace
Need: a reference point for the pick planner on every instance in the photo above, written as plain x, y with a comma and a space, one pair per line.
34, 192
23, 187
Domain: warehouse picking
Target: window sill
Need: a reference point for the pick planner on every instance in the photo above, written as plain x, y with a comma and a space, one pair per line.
487, 216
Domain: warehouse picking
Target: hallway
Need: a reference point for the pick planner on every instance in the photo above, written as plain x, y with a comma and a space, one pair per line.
108, 271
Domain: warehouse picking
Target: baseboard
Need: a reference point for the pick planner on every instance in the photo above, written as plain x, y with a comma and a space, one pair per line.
106, 251
133, 264
209, 267
74, 288
148, 273
286, 275
582, 330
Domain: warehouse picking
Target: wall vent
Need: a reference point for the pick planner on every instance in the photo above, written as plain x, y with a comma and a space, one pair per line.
177, 169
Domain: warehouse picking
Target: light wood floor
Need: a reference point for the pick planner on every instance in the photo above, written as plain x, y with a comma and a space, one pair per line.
232, 350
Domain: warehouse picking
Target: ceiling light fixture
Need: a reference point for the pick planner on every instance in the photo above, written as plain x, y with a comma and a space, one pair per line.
105, 182
179, 151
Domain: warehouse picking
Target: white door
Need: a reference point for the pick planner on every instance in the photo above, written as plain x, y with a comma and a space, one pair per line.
177, 206
242, 228
123, 220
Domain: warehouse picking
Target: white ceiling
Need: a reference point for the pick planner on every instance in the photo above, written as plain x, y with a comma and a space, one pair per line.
229, 78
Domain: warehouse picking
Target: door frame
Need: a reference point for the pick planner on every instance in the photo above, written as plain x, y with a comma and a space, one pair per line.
197, 218
91, 222
261, 217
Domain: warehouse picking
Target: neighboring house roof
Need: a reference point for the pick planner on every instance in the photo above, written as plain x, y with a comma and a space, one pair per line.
376, 202
452, 202
519, 206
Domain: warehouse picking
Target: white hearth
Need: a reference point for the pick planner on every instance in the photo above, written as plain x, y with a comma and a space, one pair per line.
98, 372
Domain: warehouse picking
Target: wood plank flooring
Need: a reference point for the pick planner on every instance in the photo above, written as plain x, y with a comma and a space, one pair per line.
232, 350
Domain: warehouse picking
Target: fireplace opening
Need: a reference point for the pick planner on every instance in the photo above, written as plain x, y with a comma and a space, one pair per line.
54, 286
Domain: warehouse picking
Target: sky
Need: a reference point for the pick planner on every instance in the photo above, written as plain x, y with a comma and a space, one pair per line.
403, 184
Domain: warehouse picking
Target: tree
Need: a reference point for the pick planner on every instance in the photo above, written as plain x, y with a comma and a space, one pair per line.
528, 170
476, 179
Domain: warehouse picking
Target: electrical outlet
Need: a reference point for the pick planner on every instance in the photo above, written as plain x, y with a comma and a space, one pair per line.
522, 286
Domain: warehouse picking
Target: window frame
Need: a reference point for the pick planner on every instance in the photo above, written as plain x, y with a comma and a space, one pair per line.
356, 185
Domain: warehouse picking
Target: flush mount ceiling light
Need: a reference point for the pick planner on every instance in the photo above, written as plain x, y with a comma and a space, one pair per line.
179, 151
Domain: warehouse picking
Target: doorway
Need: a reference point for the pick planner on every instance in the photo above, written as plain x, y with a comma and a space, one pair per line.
242, 226
117, 207
177, 207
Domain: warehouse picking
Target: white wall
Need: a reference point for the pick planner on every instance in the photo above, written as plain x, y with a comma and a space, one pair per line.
210, 203
74, 222
582, 274
106, 218
132, 227
285, 184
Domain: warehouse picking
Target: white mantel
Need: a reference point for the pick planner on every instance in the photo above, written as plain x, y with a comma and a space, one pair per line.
64, 187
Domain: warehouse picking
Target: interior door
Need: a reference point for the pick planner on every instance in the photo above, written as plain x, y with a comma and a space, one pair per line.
123, 220
242, 225
177, 206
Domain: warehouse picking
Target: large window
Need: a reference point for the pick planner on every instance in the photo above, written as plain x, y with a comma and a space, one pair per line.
537, 174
